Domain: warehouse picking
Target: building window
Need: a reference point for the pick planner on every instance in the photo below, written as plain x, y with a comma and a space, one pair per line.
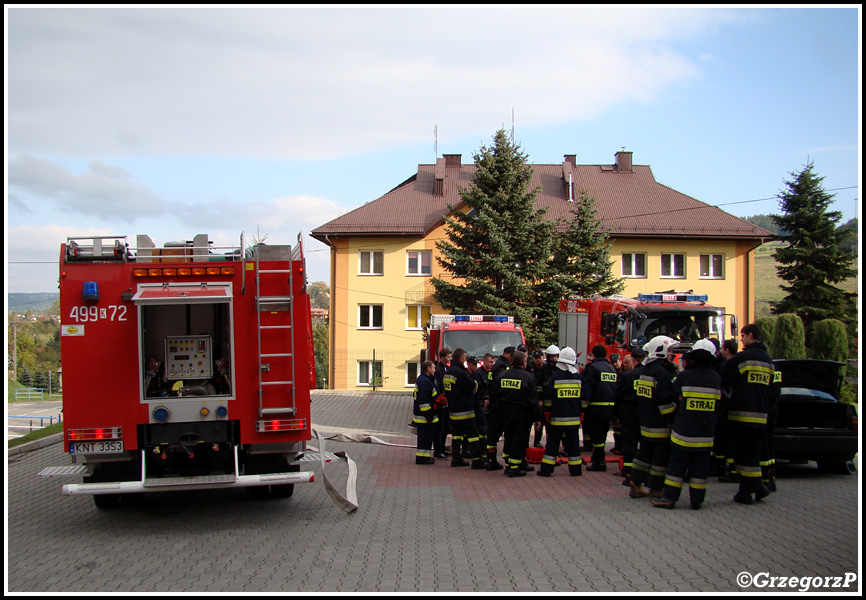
370, 372
419, 262
674, 266
370, 316
413, 369
633, 264
371, 262
417, 317
712, 266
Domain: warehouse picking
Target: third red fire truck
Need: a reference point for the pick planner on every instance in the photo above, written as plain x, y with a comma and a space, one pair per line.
184, 367
477, 334
619, 323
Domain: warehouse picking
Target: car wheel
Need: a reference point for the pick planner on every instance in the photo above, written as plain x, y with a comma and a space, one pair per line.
837, 467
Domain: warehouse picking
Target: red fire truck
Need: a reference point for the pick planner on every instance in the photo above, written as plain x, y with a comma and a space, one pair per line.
477, 334
619, 323
185, 367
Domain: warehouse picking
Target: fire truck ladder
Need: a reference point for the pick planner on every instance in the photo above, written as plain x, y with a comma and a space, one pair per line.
269, 304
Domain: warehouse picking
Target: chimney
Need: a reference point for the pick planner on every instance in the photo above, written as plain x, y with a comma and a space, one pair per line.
452, 160
623, 161
570, 158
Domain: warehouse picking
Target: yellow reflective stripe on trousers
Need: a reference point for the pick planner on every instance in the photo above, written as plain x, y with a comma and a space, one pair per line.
691, 442
742, 416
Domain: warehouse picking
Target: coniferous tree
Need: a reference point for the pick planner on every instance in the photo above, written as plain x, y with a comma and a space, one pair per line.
580, 264
814, 257
498, 244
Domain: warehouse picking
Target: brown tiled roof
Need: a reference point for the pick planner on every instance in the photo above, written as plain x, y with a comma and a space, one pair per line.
630, 202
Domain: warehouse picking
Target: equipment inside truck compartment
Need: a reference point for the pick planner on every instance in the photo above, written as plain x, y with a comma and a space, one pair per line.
186, 349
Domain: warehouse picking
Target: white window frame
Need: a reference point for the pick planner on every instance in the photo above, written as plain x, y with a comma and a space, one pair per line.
669, 257
410, 380
711, 272
632, 265
419, 269
368, 369
369, 309
371, 257
419, 316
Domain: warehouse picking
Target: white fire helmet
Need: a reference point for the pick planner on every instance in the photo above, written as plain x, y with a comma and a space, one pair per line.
567, 360
657, 347
552, 350
705, 344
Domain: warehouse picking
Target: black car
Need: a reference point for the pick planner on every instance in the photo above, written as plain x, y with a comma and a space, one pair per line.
812, 424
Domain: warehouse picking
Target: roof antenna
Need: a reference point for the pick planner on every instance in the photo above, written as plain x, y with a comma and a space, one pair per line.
512, 124
435, 145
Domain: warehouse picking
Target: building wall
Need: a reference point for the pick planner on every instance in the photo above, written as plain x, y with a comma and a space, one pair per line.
398, 343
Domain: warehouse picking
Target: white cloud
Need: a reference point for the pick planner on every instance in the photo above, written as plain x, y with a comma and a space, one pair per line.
105, 191
324, 82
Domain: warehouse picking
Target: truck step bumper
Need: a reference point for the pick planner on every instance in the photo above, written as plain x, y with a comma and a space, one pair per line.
167, 484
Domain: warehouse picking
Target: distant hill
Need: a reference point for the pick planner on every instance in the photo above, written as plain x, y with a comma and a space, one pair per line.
35, 302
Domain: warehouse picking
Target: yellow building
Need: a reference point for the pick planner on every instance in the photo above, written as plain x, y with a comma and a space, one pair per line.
383, 256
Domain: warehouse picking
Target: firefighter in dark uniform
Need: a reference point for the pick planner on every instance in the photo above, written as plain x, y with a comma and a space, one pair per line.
750, 377
480, 378
655, 395
440, 431
627, 411
600, 377
542, 376
514, 393
424, 412
492, 413
460, 389
697, 391
563, 395
503, 363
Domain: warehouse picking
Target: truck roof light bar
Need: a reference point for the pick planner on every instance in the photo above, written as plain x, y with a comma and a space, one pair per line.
676, 297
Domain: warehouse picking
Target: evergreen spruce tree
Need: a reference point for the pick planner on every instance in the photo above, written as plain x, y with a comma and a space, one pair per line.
814, 257
580, 264
498, 244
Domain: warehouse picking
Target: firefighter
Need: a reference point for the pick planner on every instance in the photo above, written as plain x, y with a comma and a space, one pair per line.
503, 363
424, 411
600, 377
654, 389
615, 426
542, 375
514, 393
561, 405
721, 455
697, 391
440, 431
626, 409
460, 387
750, 377
480, 378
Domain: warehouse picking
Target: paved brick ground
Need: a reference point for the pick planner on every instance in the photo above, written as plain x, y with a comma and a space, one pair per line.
423, 529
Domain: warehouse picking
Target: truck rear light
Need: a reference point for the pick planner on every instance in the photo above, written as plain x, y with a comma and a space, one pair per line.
154, 272
227, 270
95, 434
169, 272
280, 425
213, 270
139, 272
184, 271
199, 271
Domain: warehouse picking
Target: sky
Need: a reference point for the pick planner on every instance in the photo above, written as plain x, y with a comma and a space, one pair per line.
271, 121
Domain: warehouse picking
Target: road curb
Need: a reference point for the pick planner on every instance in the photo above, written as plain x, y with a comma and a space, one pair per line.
35, 445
